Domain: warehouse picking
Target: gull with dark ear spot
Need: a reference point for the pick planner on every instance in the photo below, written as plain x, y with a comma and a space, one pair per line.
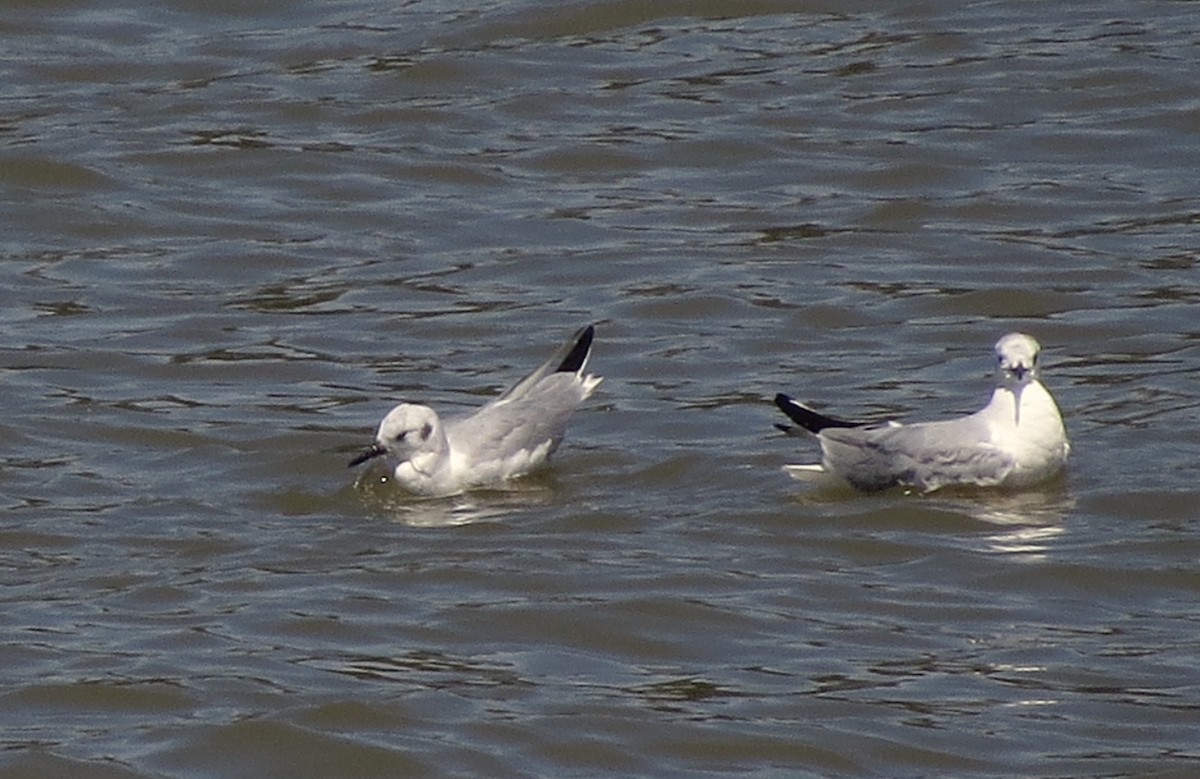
1016, 440
506, 438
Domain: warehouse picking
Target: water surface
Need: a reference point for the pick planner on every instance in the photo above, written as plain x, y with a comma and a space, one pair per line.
233, 238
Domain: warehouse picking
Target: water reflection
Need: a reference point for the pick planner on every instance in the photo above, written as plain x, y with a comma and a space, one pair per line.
1028, 542
423, 667
383, 496
1027, 523
1023, 524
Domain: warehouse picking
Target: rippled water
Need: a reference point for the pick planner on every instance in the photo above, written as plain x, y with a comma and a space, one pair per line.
233, 236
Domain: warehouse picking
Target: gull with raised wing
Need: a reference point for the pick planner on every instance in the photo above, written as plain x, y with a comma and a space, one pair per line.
1016, 440
506, 438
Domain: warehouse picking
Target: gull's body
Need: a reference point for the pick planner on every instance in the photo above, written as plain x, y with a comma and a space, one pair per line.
1016, 440
506, 438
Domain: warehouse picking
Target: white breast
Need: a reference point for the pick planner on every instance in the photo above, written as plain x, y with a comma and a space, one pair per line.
1029, 428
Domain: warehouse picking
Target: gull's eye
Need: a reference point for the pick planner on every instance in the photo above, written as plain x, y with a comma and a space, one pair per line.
426, 431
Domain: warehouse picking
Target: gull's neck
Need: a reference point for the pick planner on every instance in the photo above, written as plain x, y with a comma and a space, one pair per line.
1007, 401
427, 467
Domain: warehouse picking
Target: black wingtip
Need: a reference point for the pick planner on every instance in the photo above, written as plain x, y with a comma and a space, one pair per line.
806, 417
578, 355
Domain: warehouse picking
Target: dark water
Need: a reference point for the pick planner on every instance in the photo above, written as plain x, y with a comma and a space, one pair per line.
233, 236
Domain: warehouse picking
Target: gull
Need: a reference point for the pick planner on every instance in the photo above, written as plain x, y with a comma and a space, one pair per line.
1016, 440
505, 438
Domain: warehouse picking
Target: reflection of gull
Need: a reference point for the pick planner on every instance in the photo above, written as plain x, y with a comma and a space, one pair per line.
1022, 524
441, 513
506, 438
1016, 440
1027, 542
381, 498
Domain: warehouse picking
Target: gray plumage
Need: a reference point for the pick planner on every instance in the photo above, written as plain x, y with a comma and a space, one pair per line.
1016, 440
505, 438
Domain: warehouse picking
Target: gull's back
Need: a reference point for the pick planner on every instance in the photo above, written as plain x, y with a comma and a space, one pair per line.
523, 426
926, 455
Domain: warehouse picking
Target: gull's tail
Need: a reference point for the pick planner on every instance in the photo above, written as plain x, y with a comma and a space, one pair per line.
576, 360
807, 418
571, 357
814, 423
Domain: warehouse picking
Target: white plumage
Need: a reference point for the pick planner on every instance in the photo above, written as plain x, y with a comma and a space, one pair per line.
1016, 440
504, 439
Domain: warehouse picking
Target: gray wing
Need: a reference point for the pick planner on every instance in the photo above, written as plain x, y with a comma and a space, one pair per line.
570, 358
519, 421
926, 455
